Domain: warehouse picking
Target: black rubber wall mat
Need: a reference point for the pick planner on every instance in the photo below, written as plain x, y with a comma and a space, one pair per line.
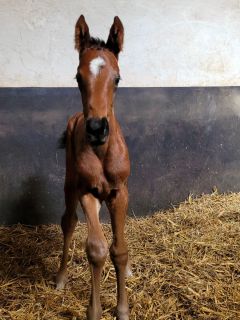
181, 141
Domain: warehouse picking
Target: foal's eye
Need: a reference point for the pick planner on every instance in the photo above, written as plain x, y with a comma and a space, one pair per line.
117, 79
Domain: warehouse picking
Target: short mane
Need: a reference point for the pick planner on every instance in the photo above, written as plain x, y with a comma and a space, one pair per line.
97, 43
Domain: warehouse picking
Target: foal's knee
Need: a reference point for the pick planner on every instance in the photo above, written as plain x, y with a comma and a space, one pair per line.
119, 255
97, 251
68, 222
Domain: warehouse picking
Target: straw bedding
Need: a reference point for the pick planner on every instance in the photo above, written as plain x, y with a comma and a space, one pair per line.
185, 261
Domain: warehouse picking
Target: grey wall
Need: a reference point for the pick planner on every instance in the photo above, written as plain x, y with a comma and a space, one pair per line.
181, 141
167, 43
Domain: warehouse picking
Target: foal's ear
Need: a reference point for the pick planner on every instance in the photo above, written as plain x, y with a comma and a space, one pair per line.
82, 35
115, 38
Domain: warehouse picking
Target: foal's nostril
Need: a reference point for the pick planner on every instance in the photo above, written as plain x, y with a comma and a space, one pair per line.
93, 125
97, 127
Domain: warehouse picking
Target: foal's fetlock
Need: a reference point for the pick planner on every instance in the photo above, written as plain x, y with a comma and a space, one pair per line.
123, 313
94, 313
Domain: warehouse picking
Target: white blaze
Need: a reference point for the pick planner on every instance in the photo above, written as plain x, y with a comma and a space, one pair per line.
96, 65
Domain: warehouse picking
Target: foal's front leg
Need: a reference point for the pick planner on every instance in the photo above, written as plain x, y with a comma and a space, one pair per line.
69, 221
97, 249
117, 205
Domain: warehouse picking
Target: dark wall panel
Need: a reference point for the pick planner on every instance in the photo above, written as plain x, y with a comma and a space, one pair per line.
181, 141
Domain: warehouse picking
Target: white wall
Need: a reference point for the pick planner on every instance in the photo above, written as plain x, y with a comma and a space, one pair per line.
167, 42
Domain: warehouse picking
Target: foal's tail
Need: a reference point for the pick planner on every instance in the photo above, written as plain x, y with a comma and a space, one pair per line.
62, 141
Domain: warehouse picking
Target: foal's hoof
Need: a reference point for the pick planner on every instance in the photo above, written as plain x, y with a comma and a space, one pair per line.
61, 280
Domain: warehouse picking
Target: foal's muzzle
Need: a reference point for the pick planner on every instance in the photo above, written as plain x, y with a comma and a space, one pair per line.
97, 130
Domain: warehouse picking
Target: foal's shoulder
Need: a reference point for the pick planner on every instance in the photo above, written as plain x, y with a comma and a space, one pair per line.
73, 121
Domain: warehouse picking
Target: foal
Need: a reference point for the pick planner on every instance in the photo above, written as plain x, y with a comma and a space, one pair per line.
97, 164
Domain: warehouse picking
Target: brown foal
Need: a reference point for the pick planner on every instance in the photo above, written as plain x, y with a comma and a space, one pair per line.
97, 164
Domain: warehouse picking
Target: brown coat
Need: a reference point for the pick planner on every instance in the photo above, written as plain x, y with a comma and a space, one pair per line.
97, 164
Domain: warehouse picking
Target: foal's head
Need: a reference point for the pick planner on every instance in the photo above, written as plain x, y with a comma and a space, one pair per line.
98, 76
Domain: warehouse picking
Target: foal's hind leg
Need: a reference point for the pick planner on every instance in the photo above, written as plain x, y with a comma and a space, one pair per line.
69, 221
117, 205
97, 249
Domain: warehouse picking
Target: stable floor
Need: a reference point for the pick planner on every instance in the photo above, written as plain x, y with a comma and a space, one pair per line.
185, 261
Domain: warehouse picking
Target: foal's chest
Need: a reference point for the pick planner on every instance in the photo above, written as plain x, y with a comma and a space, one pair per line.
102, 175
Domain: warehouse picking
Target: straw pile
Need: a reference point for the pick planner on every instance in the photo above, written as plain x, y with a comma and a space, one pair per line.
185, 261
